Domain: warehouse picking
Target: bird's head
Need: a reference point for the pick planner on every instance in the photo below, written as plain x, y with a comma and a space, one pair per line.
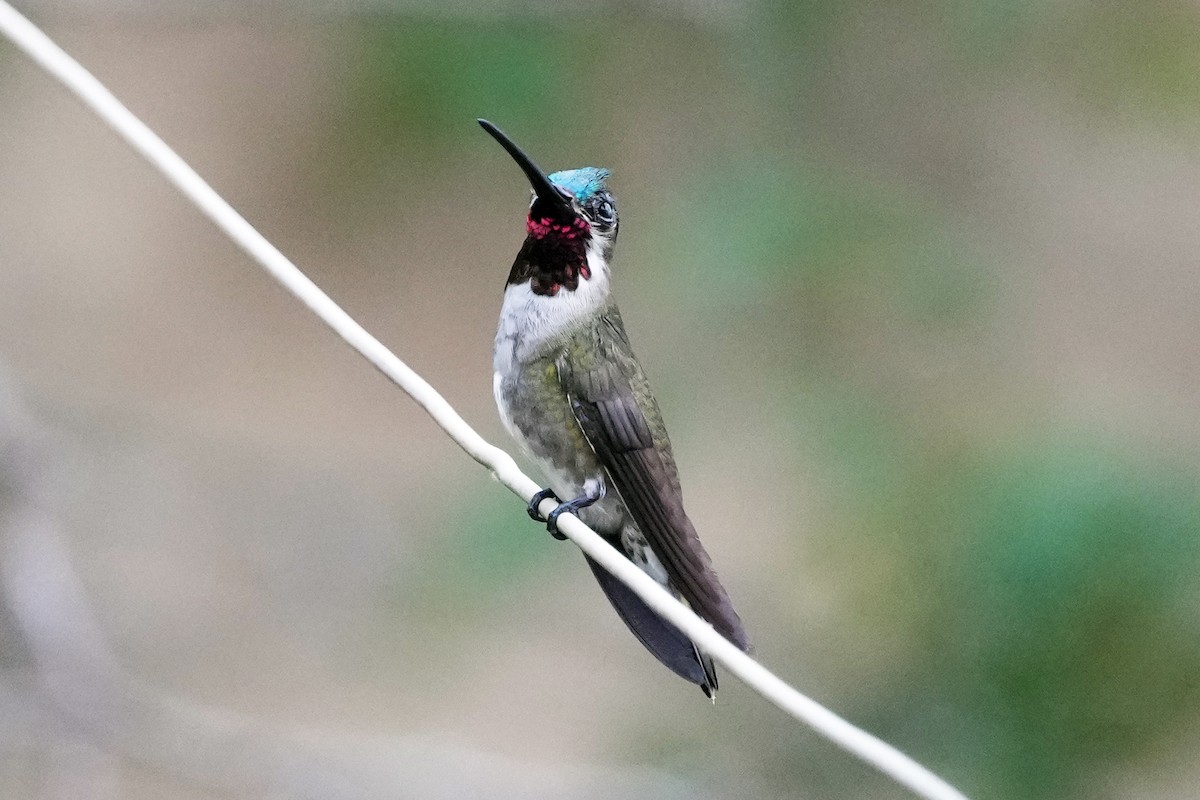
572, 219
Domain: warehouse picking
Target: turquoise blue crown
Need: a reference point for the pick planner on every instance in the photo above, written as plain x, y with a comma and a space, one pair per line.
583, 182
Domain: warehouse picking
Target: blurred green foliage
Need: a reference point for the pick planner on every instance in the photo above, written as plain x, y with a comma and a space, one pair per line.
495, 549
414, 80
413, 89
1071, 609
1131, 59
784, 227
1056, 587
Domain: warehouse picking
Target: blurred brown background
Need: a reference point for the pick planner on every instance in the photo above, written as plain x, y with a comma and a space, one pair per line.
917, 287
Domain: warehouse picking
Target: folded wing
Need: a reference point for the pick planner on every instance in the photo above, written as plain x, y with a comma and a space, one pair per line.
628, 437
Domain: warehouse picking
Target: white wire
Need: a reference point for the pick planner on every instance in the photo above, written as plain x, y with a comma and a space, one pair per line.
872, 750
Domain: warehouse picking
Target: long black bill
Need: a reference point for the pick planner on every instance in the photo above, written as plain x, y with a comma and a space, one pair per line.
550, 200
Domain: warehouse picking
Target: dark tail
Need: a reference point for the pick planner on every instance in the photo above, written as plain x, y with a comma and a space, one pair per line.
666, 642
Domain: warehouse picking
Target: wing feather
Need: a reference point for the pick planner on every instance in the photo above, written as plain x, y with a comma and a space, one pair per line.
630, 441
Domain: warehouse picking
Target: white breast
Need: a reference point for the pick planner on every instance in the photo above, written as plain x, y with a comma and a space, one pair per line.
531, 323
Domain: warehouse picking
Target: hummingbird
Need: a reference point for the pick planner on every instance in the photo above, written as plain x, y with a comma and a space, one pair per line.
571, 392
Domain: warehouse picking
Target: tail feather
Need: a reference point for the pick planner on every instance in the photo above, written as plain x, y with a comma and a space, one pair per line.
666, 642
709, 687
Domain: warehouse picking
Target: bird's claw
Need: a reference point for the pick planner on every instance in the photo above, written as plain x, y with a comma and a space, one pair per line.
569, 507
552, 522
532, 508
536, 515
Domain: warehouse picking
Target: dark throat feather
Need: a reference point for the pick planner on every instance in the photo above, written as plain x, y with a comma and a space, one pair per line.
553, 257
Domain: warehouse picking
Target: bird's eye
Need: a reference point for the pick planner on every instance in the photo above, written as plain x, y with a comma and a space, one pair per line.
606, 213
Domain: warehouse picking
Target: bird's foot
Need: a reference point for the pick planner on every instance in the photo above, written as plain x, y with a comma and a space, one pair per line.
532, 509
571, 506
536, 515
